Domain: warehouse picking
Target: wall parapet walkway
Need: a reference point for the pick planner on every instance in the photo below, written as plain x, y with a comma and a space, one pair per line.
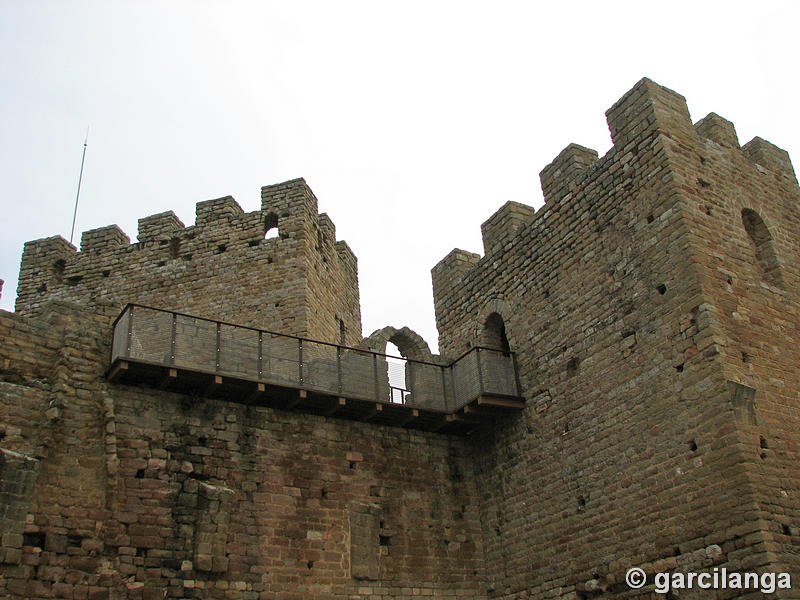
193, 354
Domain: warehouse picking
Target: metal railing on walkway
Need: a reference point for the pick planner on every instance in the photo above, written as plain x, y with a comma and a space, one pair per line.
170, 339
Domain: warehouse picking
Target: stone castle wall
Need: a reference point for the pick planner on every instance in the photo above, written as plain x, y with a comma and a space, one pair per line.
657, 359
744, 217
652, 306
114, 491
302, 282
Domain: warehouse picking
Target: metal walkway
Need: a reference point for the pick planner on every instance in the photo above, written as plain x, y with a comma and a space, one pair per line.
188, 354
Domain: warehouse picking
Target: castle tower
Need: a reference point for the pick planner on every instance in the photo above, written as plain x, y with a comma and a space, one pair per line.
648, 314
229, 265
653, 304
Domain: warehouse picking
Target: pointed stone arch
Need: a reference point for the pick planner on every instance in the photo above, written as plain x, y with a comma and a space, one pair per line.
409, 342
491, 327
494, 333
764, 247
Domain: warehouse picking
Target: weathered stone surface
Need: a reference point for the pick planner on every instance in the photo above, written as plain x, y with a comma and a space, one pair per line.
652, 306
302, 282
652, 303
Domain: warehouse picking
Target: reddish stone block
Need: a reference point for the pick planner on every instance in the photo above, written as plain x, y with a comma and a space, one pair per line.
98, 593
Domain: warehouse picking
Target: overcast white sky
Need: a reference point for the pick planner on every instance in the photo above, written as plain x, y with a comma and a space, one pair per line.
411, 121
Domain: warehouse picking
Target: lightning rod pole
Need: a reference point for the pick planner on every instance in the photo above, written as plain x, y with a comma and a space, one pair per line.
78, 195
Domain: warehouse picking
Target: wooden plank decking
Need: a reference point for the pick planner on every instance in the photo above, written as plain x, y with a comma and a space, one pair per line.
482, 411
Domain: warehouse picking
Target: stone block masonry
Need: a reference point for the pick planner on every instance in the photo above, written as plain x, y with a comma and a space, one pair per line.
226, 266
17, 477
140, 493
651, 303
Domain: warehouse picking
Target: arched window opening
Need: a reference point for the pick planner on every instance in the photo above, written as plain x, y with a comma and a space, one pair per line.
174, 247
496, 367
398, 389
495, 333
404, 376
271, 226
764, 246
58, 270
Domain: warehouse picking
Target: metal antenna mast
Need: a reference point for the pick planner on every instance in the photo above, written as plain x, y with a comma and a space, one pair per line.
80, 178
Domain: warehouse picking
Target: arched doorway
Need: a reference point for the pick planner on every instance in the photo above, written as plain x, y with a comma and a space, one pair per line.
404, 373
494, 333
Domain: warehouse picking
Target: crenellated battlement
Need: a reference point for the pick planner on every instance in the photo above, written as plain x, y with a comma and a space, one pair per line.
103, 238
653, 306
229, 264
327, 232
566, 171
448, 271
717, 129
768, 155
647, 109
160, 226
503, 225
211, 212
653, 137
623, 360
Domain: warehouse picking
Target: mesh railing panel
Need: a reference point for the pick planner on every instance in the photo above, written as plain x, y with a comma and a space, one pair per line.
466, 380
425, 384
281, 362
195, 343
119, 346
151, 338
358, 379
449, 399
238, 351
320, 367
498, 374
204, 345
